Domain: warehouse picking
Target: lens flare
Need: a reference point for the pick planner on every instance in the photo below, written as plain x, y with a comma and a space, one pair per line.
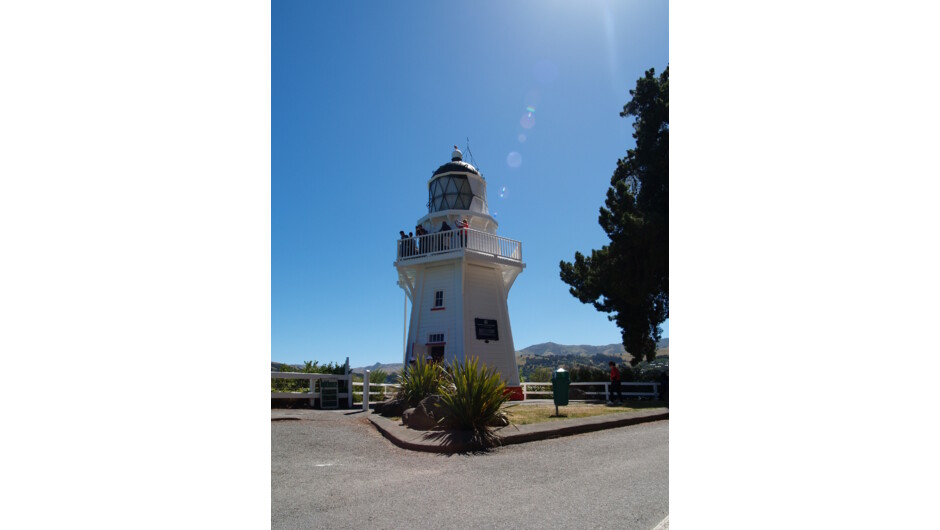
503, 192
521, 138
514, 159
527, 121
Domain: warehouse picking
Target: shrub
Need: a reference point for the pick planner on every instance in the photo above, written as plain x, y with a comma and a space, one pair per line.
474, 400
378, 377
542, 374
652, 371
419, 381
582, 373
310, 367
289, 385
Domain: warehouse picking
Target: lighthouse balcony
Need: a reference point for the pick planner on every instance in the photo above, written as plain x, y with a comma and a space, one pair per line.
442, 245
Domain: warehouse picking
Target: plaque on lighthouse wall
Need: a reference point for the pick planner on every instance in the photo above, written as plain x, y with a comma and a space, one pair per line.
486, 329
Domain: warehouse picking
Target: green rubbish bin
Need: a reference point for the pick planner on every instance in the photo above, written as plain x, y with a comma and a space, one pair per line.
561, 380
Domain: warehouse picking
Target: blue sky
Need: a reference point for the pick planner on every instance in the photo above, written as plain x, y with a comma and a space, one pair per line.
367, 100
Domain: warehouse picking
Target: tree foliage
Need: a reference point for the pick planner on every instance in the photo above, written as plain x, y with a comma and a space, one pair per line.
310, 367
540, 368
629, 278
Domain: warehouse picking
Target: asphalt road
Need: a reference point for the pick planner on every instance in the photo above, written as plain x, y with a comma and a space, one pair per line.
332, 469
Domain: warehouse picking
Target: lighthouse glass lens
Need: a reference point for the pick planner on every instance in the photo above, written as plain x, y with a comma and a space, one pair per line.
450, 192
465, 196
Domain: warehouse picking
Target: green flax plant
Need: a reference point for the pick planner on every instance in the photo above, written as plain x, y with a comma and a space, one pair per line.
419, 381
474, 400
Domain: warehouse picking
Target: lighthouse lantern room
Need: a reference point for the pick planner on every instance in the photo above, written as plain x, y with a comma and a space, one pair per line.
457, 274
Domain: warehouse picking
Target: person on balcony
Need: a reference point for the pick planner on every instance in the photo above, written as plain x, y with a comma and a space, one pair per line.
404, 243
462, 226
445, 228
423, 243
412, 244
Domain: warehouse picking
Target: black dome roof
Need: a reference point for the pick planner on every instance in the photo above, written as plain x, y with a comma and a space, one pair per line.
456, 165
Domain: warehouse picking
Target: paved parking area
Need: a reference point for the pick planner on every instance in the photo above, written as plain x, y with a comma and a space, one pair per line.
332, 469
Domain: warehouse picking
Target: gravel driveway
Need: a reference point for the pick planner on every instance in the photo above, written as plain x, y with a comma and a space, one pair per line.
332, 469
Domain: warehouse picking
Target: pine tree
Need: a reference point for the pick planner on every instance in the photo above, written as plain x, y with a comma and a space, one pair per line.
629, 278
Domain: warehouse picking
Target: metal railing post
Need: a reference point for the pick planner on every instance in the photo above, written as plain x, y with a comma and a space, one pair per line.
365, 391
606, 391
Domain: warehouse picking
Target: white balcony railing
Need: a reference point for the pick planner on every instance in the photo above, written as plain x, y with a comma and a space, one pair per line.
459, 240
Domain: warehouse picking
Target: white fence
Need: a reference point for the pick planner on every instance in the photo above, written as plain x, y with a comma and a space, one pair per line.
643, 390
376, 390
312, 393
455, 240
652, 390
382, 390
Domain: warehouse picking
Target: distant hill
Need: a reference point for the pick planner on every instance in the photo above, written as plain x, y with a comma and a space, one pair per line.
536, 350
392, 368
276, 367
564, 350
590, 362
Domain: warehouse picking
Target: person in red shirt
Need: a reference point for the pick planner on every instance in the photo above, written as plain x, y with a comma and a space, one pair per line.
463, 225
615, 384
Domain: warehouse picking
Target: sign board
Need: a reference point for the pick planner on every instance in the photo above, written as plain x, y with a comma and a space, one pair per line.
486, 329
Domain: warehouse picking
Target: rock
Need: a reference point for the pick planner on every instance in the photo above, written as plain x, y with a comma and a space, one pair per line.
393, 407
418, 419
433, 407
377, 407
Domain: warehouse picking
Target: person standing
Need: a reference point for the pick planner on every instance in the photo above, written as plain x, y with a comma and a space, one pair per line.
446, 238
419, 245
615, 384
404, 243
463, 225
424, 243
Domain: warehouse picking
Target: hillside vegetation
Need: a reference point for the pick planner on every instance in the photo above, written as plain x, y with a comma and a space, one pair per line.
547, 355
588, 363
550, 348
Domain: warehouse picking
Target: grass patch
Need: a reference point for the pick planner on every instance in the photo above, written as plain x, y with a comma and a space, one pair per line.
526, 414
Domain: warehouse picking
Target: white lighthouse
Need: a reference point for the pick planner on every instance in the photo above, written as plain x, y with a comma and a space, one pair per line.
458, 276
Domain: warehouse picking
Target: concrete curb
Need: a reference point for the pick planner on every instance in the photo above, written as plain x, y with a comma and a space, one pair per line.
555, 429
457, 442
